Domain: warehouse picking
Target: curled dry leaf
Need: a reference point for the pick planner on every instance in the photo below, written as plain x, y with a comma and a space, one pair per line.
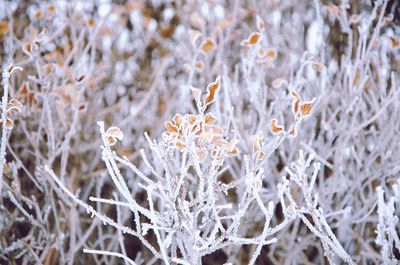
253, 39
113, 134
9, 123
212, 89
275, 128
207, 45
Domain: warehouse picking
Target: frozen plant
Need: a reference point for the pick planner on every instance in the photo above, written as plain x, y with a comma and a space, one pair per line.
188, 208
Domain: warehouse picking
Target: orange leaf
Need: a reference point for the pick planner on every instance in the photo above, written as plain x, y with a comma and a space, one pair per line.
209, 119
177, 120
275, 128
394, 43
212, 89
252, 39
3, 28
171, 127
207, 45
305, 108
9, 123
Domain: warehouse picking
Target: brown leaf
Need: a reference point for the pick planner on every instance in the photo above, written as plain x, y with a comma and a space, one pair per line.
394, 43
271, 54
115, 132
177, 119
171, 127
209, 119
212, 89
252, 39
275, 128
199, 65
207, 45
305, 108
9, 123
3, 28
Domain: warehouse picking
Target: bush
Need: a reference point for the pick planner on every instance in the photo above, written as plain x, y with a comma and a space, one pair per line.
199, 132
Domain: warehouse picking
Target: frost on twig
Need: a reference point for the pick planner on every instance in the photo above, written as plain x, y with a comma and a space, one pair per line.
387, 229
6, 122
311, 213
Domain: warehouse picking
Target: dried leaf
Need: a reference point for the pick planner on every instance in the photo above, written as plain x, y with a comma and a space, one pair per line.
295, 106
209, 119
9, 123
111, 140
207, 45
171, 128
233, 151
295, 95
177, 119
212, 89
3, 28
253, 39
275, 128
394, 43
306, 108
31, 98
15, 103
179, 144
271, 53
199, 65
115, 132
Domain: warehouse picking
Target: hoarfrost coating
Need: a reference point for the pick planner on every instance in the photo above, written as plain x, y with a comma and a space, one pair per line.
199, 132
